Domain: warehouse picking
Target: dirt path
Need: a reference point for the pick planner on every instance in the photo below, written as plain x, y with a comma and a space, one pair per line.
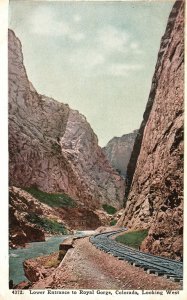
89, 268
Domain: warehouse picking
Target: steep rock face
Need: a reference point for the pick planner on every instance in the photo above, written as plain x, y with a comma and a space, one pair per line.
94, 174
155, 199
53, 147
118, 151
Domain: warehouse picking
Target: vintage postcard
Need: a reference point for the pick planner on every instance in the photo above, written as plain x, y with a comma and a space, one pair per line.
95, 149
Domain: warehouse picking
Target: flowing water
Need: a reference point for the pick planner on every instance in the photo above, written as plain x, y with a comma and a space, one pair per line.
35, 249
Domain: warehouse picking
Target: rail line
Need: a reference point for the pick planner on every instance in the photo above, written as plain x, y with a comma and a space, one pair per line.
150, 263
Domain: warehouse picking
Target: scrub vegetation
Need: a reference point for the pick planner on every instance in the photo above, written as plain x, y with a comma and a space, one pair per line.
133, 239
48, 225
53, 200
109, 209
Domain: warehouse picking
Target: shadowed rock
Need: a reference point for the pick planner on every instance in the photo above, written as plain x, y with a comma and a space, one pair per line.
155, 171
118, 151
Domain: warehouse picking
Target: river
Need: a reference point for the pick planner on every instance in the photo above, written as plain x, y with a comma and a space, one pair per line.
35, 249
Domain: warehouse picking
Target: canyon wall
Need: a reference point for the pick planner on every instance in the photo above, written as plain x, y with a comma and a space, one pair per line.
30, 220
155, 173
118, 151
21, 230
53, 147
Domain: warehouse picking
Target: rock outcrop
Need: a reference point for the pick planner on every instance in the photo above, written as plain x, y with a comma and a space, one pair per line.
40, 267
31, 220
25, 218
118, 151
155, 171
21, 231
53, 147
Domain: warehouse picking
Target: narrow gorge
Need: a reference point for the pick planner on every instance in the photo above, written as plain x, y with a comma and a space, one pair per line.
53, 149
118, 151
78, 198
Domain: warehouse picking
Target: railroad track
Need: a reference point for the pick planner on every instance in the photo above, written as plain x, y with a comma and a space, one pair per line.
152, 264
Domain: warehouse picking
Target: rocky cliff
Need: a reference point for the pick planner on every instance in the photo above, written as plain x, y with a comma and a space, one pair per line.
155, 171
30, 220
53, 147
21, 230
118, 151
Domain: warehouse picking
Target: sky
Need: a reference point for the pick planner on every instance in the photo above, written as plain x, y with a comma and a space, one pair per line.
99, 57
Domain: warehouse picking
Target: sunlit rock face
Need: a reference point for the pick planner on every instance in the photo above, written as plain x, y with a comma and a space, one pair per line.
118, 151
53, 147
155, 171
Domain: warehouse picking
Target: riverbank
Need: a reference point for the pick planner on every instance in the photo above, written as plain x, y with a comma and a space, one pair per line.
33, 250
85, 267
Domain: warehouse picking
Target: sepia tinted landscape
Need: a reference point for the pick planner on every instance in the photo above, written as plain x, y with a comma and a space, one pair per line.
91, 215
